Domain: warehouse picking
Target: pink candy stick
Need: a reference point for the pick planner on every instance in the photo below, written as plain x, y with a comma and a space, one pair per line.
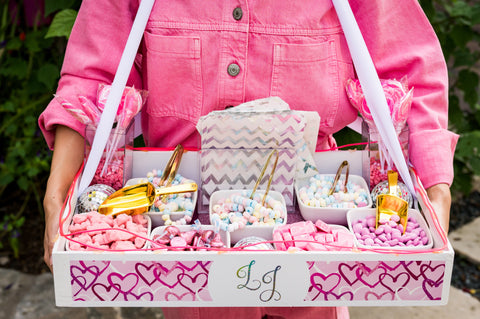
90, 109
74, 111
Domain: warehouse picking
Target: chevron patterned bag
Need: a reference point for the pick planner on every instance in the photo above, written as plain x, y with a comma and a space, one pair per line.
236, 143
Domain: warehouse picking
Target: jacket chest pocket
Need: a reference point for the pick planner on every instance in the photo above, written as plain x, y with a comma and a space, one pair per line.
308, 77
172, 73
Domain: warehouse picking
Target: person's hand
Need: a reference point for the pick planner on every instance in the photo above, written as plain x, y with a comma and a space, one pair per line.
67, 159
441, 200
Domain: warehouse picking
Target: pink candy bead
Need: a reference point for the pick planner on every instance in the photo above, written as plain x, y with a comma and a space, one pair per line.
113, 175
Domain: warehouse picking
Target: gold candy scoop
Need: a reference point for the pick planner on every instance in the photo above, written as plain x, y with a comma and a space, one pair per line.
137, 199
390, 204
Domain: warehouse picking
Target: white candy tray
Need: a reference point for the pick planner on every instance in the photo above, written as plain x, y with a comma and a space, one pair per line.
252, 278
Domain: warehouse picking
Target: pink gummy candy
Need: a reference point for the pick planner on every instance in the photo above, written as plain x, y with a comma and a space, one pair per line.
139, 219
123, 245
139, 242
79, 218
122, 219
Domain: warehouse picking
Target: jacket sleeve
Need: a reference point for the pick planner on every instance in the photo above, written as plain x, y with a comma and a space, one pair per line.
92, 56
402, 42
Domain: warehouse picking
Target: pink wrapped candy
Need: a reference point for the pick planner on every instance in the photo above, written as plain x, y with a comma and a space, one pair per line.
172, 238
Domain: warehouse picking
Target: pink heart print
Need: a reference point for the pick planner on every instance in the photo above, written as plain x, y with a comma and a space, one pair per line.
123, 284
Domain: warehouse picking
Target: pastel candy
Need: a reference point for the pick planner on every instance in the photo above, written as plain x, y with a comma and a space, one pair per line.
178, 241
123, 245
139, 242
79, 218
288, 239
389, 233
321, 225
103, 232
277, 237
316, 247
311, 229
357, 227
297, 229
321, 238
309, 236
371, 221
117, 235
122, 219
301, 240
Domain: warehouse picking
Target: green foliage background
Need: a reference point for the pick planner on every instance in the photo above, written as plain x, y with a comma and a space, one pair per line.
31, 55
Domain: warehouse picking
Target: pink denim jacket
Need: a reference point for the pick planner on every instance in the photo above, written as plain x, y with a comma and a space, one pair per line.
199, 56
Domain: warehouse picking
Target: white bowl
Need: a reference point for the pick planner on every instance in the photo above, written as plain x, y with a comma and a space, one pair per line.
156, 217
225, 236
354, 215
329, 215
149, 228
249, 230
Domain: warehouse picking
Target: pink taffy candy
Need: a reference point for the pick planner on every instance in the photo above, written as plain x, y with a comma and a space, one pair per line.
320, 237
297, 229
302, 240
277, 237
321, 225
316, 247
